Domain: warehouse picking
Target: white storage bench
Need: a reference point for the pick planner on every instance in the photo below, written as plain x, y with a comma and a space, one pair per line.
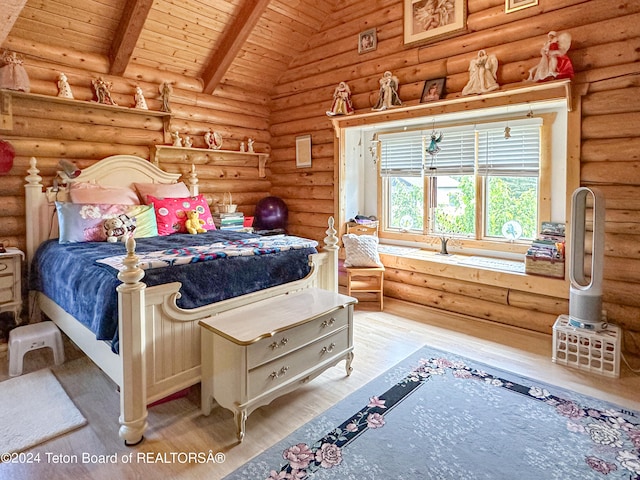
256, 353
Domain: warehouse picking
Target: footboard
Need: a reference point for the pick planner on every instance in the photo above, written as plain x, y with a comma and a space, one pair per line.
160, 342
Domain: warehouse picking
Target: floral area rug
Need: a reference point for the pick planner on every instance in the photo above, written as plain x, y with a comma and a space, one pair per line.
441, 416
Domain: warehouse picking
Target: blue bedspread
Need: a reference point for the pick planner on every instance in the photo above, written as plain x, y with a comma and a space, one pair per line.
70, 275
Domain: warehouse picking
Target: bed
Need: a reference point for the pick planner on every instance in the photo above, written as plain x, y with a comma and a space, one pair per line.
157, 335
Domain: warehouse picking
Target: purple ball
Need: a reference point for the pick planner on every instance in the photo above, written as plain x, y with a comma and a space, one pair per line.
271, 213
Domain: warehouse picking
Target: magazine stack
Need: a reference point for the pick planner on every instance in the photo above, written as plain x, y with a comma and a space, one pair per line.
546, 256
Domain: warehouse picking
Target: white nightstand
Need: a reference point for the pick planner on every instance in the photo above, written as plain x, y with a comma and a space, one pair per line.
11, 282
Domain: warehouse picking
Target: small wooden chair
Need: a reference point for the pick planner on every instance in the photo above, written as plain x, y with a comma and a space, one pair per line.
365, 279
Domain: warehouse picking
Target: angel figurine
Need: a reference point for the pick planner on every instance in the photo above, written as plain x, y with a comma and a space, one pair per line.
64, 90
141, 102
554, 62
341, 101
166, 90
103, 91
13, 75
213, 140
388, 92
483, 72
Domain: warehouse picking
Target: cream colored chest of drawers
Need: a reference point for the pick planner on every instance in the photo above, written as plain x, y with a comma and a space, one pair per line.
256, 353
11, 282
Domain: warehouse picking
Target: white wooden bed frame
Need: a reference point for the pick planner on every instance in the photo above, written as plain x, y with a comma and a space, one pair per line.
159, 342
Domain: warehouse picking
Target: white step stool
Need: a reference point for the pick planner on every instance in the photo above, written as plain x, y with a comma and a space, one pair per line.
32, 337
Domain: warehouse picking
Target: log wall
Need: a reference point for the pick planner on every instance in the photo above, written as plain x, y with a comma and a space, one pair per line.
79, 130
604, 53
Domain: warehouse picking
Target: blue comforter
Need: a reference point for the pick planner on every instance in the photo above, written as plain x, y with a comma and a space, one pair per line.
70, 275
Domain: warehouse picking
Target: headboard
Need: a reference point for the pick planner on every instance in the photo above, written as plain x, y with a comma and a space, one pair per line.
116, 170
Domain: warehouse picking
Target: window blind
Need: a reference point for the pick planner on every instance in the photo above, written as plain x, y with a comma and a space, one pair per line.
517, 156
456, 155
401, 154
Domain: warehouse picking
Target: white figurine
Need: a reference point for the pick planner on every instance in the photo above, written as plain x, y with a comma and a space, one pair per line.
141, 103
242, 147
554, 62
64, 90
213, 140
388, 92
483, 72
187, 141
250, 143
177, 141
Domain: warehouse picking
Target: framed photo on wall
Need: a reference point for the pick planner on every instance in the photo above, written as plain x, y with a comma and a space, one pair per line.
367, 41
430, 20
303, 151
433, 90
515, 5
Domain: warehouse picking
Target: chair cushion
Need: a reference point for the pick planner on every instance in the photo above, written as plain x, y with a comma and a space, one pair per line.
361, 250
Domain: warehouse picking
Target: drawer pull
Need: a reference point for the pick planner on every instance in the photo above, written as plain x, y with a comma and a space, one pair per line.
3, 266
328, 349
328, 323
282, 343
275, 375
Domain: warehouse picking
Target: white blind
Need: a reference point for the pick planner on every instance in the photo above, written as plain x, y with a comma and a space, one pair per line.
517, 156
456, 155
401, 154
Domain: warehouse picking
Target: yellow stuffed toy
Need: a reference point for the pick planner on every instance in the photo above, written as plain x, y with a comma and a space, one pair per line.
194, 223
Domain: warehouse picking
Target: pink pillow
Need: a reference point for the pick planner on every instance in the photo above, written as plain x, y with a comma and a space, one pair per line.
161, 190
85, 192
171, 213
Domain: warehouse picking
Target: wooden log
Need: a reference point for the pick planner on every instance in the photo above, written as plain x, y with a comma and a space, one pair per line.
601, 150
12, 182
304, 179
13, 226
316, 219
310, 193
478, 308
625, 173
622, 269
487, 292
538, 303
621, 197
40, 147
622, 100
621, 293
303, 205
11, 207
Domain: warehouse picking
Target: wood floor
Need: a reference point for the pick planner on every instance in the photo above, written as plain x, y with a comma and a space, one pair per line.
177, 427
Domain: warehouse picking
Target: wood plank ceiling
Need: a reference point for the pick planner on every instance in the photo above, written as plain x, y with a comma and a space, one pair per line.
247, 44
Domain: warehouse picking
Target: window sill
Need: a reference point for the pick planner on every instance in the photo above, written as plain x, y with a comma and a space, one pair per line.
476, 269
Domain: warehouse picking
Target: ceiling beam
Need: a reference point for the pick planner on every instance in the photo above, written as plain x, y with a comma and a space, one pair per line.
8, 15
124, 42
232, 42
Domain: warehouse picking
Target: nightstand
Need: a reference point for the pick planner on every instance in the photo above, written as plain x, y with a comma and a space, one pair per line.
11, 282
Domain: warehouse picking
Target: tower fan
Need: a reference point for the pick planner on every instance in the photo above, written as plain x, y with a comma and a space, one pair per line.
585, 295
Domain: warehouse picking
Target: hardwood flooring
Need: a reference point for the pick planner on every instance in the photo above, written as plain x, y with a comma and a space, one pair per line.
177, 428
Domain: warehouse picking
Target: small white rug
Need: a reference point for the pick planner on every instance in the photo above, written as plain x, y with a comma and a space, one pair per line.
35, 408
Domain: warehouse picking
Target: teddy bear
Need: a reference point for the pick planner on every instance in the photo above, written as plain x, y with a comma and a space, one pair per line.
194, 223
114, 228
119, 228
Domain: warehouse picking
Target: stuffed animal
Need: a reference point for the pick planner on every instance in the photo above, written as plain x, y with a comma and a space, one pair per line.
114, 228
194, 223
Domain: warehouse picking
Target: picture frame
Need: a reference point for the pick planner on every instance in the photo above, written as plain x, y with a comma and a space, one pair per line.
423, 22
515, 5
434, 89
367, 41
303, 151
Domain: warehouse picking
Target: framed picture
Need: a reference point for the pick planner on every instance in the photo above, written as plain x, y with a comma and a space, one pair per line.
429, 20
514, 5
433, 90
303, 151
367, 41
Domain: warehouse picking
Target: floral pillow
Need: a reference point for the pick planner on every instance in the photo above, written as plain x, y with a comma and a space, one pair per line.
84, 222
171, 213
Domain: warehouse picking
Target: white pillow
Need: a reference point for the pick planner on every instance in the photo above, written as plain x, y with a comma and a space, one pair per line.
361, 250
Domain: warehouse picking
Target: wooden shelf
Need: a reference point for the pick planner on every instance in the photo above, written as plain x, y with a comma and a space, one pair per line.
171, 154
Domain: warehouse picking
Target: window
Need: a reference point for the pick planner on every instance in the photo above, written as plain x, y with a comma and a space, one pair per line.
479, 182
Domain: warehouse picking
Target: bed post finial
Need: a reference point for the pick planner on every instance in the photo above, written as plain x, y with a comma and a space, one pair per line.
330, 282
193, 181
331, 240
